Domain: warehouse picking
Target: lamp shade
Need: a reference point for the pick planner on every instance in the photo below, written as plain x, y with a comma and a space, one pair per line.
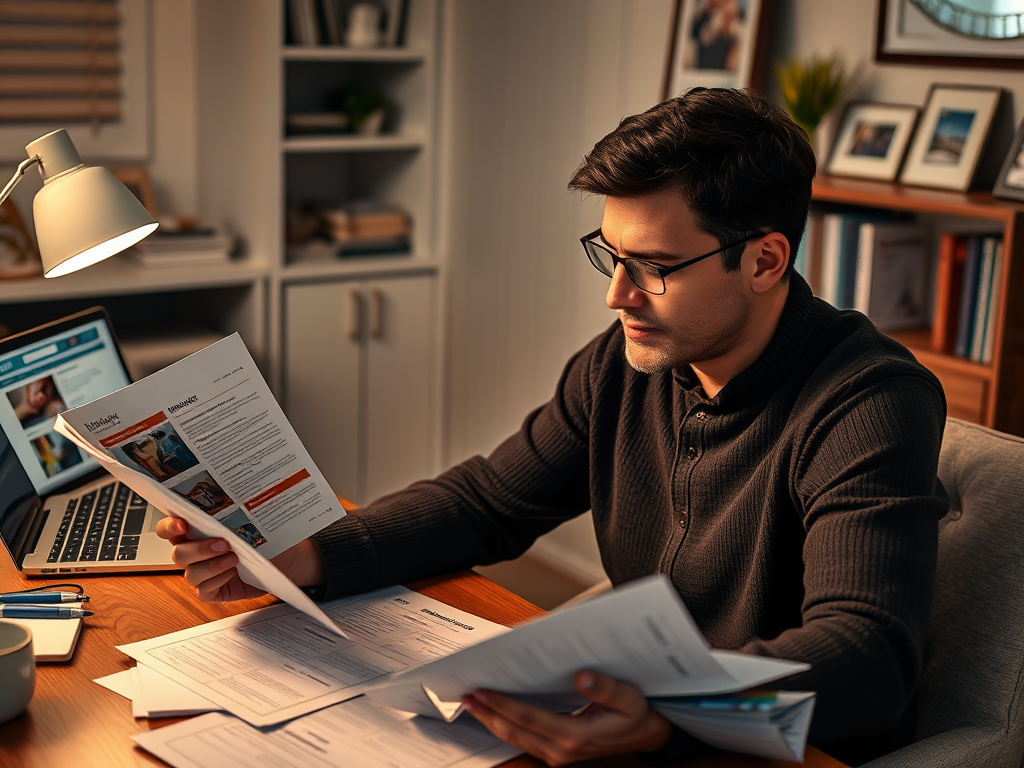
82, 214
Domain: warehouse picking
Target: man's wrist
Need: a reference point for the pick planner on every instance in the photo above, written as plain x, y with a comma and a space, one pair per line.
660, 730
307, 565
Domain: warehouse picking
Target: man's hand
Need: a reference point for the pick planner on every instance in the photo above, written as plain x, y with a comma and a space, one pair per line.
210, 564
618, 720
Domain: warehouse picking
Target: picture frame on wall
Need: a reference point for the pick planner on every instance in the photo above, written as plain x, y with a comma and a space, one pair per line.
872, 140
906, 35
950, 136
717, 43
1010, 182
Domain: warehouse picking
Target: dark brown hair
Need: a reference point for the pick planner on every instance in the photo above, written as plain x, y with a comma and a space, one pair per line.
739, 161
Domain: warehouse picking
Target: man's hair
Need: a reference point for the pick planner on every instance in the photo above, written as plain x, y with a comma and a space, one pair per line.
738, 161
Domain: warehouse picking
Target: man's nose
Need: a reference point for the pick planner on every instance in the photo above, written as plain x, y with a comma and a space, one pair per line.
622, 292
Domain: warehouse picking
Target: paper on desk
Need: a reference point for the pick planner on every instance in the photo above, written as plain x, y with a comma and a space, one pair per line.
253, 568
119, 682
153, 695
780, 733
640, 633
352, 734
274, 664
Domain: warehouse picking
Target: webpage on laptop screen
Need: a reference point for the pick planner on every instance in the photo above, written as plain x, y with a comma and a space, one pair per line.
45, 378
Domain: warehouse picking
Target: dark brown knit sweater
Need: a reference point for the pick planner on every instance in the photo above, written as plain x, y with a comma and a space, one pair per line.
796, 512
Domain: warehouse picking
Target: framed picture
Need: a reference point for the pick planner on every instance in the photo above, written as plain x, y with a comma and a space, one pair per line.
872, 140
906, 35
137, 181
950, 136
717, 43
1010, 183
18, 255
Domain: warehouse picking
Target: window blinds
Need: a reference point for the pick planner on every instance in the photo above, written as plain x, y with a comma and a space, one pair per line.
60, 60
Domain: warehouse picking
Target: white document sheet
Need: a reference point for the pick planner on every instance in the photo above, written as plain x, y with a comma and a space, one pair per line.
157, 696
274, 664
780, 733
205, 440
353, 734
152, 695
119, 682
640, 633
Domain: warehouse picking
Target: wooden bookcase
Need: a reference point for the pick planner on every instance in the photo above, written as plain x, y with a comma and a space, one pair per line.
993, 394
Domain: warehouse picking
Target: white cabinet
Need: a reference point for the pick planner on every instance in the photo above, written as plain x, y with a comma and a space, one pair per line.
360, 379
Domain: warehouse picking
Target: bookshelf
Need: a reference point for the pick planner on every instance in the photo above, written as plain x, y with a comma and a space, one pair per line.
992, 394
353, 343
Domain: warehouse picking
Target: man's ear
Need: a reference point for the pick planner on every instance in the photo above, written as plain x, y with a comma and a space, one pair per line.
766, 263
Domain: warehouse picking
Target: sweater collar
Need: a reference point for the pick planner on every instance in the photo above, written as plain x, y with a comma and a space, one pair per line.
776, 362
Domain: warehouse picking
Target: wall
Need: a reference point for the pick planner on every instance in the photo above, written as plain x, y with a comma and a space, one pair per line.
530, 86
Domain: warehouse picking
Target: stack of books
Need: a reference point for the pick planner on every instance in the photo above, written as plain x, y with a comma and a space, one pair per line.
366, 228
967, 286
198, 247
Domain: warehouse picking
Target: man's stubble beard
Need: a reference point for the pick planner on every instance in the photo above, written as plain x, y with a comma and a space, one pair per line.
703, 344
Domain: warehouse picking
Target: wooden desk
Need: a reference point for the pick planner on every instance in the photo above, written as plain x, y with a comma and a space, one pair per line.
72, 721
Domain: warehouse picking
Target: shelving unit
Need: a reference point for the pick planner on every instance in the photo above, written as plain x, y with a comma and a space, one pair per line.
992, 394
353, 343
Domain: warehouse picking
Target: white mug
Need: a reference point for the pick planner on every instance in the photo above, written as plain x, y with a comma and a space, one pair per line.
363, 26
17, 669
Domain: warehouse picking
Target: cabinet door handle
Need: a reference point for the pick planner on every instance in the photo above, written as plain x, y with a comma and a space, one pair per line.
376, 313
355, 325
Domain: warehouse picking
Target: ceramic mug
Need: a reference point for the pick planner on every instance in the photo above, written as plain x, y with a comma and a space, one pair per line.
17, 669
363, 26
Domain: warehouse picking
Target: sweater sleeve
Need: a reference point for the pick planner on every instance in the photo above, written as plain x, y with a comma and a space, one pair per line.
866, 482
478, 512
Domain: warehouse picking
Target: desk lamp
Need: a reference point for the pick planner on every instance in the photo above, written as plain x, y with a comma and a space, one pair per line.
83, 214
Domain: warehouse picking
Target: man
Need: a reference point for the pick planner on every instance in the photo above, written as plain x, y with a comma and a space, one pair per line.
775, 457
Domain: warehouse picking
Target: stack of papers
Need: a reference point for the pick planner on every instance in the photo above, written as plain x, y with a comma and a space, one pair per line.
406, 653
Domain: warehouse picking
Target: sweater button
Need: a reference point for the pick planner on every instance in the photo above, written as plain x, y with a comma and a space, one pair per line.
691, 452
684, 520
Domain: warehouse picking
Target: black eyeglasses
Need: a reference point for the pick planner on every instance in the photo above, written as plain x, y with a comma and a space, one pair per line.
646, 275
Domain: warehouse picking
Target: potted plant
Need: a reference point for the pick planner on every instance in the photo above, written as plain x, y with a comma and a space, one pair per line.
812, 88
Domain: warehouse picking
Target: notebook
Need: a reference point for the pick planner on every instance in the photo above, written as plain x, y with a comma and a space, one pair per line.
53, 639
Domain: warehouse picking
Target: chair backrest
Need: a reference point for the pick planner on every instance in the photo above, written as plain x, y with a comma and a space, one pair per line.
973, 680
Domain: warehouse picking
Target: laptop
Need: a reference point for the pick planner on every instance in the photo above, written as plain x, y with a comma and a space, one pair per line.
60, 512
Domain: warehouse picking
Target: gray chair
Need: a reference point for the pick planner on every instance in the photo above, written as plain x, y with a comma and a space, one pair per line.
969, 702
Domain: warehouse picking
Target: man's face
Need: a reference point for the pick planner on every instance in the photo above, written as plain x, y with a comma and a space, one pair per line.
704, 312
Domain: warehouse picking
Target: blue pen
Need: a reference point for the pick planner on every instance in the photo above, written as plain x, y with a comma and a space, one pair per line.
41, 598
41, 612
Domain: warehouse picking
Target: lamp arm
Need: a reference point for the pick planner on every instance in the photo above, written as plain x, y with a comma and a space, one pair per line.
18, 174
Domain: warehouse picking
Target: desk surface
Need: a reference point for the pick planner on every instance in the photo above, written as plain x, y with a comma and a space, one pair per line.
72, 721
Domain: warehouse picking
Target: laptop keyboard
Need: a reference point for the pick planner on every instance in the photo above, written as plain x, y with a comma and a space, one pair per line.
104, 524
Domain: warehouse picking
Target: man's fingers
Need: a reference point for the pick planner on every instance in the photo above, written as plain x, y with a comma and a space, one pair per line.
197, 573
209, 590
548, 724
189, 552
172, 528
532, 742
610, 693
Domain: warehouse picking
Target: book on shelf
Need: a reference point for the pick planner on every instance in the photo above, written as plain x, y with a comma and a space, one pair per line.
948, 280
839, 244
305, 24
968, 297
991, 320
891, 273
183, 248
984, 296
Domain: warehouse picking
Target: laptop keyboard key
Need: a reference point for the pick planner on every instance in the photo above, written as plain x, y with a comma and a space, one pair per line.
134, 521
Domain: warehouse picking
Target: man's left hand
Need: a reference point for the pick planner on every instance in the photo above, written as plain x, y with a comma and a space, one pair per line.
618, 720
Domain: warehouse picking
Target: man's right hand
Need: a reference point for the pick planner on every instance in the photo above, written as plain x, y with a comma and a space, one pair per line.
210, 565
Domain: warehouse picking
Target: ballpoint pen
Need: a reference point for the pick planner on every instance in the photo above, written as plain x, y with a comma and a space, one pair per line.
41, 612
41, 598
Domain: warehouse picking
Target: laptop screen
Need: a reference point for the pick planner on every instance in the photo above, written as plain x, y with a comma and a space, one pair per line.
56, 367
